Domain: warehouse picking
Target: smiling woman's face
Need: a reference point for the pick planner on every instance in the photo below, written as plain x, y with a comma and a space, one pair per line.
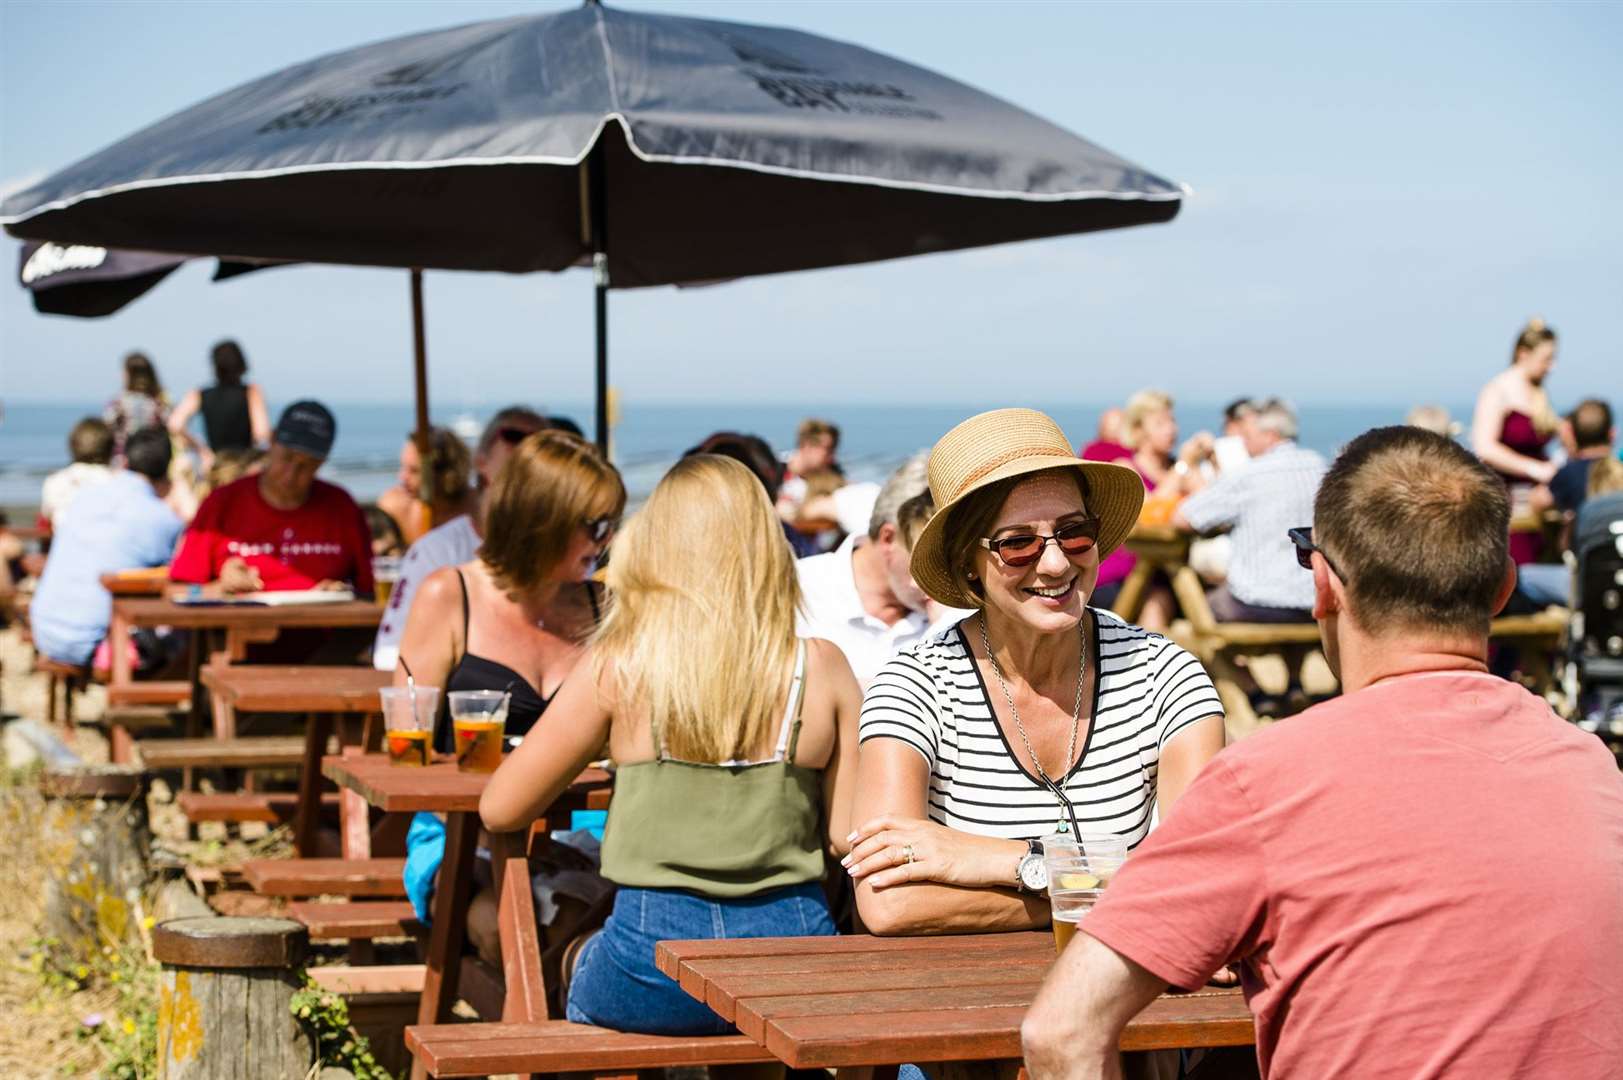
1050, 594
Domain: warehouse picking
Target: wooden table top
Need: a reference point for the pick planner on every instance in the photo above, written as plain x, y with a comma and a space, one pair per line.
161, 611
833, 1002
298, 687
439, 787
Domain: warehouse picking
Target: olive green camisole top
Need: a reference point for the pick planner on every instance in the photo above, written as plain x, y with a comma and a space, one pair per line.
725, 830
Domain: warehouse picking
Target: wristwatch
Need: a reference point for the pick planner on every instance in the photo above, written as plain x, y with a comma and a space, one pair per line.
1030, 874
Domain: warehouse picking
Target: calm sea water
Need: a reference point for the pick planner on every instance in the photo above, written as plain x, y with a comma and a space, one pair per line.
875, 438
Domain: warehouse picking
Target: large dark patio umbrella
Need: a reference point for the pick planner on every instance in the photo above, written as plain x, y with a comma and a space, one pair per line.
657, 148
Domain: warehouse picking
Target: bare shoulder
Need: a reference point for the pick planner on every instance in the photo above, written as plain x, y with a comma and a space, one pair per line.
439, 591
825, 661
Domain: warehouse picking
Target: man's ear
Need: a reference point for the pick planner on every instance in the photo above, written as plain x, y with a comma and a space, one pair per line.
1506, 587
1329, 595
888, 534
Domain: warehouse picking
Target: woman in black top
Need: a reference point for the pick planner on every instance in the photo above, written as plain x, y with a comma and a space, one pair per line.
234, 412
516, 616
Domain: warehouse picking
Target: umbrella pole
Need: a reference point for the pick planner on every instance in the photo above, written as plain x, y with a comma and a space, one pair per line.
597, 202
419, 341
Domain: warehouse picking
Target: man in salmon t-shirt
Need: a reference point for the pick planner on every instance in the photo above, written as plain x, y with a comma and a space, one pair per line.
281, 528
1420, 878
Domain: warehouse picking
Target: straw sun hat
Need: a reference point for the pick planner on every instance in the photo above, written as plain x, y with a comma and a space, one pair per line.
995, 446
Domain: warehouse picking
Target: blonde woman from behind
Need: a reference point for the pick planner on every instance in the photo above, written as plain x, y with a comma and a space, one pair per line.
735, 741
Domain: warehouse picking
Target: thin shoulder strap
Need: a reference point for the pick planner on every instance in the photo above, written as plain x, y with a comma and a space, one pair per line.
789, 736
464, 583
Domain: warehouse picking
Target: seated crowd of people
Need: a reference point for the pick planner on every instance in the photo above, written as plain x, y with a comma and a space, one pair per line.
834, 706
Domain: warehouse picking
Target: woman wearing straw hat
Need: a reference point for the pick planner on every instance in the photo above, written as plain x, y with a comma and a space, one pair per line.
1036, 715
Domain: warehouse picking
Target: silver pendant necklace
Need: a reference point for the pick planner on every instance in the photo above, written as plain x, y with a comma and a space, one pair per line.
1076, 717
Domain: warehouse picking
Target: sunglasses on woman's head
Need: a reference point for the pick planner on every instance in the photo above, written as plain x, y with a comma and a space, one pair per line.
512, 436
600, 529
1074, 540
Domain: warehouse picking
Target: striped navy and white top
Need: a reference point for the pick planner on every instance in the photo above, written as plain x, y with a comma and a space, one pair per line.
932, 697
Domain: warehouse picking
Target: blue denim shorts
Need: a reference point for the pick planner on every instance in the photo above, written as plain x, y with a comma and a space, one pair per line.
616, 984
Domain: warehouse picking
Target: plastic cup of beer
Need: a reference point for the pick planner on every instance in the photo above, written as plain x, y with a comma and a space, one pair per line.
408, 723
478, 717
385, 575
1078, 872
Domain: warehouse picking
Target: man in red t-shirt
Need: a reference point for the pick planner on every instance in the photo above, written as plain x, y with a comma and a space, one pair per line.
281, 528
1421, 878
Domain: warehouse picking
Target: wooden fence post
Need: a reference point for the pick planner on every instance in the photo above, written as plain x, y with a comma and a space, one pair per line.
99, 841
225, 1005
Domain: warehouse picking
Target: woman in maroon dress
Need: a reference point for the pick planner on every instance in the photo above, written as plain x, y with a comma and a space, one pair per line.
1513, 422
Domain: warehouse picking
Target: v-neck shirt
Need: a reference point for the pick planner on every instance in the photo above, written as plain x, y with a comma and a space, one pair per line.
932, 697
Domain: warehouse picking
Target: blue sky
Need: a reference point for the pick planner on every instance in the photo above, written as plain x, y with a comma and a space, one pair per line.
1382, 193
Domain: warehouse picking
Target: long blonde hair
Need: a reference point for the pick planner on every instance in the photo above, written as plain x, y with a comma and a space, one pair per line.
701, 623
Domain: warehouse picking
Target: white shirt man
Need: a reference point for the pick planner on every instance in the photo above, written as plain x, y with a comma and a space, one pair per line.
861, 595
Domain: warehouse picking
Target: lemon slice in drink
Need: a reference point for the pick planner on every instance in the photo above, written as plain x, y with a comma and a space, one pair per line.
1078, 880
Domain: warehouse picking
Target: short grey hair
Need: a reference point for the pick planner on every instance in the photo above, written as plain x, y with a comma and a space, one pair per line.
1276, 415
911, 479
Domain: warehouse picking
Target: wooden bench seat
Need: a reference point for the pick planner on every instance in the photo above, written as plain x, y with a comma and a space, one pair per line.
325, 877
265, 751
271, 807
357, 919
63, 681
173, 692
558, 1046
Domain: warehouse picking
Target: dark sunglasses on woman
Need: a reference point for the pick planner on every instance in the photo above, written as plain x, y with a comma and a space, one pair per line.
1074, 540
600, 529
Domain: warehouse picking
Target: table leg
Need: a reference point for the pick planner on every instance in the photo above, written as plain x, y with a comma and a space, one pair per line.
451, 896
526, 1000
118, 646
1130, 601
307, 818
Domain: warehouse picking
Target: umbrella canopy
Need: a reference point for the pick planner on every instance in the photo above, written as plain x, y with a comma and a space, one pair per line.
455, 149
663, 149
89, 281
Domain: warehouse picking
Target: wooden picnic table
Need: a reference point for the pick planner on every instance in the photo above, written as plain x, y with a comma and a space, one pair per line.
325, 695
238, 626
858, 1000
441, 788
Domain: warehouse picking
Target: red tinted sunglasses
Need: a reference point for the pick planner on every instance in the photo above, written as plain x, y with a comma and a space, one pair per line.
1074, 540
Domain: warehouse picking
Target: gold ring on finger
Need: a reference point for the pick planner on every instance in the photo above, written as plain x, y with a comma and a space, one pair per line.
907, 853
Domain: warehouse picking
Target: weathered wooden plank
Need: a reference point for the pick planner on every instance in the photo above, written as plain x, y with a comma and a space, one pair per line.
722, 996
382, 979
481, 1049
260, 751
321, 877
357, 919
669, 955
752, 1014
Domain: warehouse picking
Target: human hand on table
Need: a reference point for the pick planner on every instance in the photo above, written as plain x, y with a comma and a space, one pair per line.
329, 585
236, 576
879, 850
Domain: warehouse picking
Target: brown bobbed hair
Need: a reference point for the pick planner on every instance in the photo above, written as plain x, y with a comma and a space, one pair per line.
972, 520
1419, 530
553, 484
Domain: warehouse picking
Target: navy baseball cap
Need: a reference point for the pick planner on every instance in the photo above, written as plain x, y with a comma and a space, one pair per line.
308, 427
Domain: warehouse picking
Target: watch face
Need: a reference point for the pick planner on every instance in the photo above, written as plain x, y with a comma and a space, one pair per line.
1033, 873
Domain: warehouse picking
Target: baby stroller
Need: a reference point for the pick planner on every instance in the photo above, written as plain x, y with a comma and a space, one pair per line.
1595, 643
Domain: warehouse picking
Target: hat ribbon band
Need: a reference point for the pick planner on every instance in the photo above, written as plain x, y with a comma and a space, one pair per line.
1003, 459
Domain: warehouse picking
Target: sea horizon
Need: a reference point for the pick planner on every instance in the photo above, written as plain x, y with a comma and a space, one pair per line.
650, 435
